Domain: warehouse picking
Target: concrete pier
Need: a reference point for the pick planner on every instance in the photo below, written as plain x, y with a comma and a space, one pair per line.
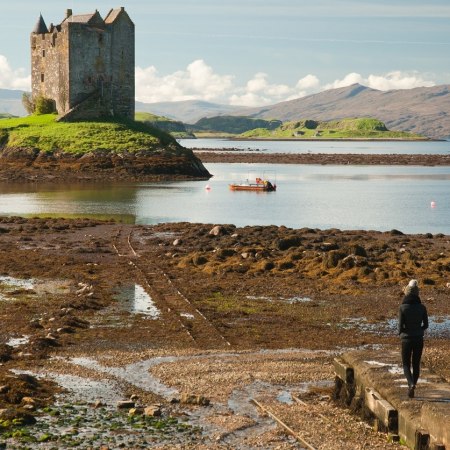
373, 383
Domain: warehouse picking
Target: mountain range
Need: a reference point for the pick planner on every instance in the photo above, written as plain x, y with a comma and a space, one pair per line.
188, 111
423, 110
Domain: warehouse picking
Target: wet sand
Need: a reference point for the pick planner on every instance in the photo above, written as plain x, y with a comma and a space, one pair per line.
192, 312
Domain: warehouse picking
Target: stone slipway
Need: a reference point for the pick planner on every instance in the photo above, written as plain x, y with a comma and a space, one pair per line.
373, 382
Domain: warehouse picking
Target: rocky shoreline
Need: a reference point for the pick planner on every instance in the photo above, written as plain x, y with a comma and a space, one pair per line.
100, 165
192, 320
258, 156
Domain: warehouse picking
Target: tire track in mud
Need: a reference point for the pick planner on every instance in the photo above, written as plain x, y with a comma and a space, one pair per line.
199, 330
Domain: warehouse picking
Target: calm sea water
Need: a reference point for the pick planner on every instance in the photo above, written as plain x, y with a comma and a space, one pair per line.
403, 147
345, 197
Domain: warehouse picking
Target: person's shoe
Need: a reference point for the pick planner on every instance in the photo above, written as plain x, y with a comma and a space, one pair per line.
411, 391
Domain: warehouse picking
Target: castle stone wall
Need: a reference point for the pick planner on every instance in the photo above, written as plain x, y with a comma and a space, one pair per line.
90, 62
87, 59
50, 67
123, 62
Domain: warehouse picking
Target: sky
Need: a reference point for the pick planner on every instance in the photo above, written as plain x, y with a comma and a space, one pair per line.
256, 52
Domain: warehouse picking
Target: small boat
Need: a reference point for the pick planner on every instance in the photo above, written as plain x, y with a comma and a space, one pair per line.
259, 185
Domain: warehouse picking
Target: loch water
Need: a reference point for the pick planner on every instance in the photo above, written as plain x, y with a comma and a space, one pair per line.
412, 199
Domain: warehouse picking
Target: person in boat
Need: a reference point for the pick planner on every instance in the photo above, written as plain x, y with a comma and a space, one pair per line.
412, 322
268, 185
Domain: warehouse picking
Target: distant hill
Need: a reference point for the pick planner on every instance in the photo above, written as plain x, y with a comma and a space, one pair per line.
360, 128
232, 124
11, 102
424, 111
188, 111
6, 116
174, 127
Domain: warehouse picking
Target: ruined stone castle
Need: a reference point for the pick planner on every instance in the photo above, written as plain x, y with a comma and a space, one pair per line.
85, 65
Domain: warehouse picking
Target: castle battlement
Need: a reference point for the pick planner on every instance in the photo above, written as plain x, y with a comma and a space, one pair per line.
85, 64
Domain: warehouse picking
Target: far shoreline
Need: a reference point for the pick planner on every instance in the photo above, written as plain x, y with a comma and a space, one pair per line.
241, 139
227, 156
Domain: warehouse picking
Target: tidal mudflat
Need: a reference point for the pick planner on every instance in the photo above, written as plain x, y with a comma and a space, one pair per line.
141, 336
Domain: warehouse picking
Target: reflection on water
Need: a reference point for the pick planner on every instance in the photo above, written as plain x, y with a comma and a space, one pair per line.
12, 283
138, 301
9, 285
345, 197
342, 147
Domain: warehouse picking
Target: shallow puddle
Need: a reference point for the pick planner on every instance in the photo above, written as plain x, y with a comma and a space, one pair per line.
18, 341
439, 326
293, 300
73, 422
10, 285
136, 300
137, 374
289, 300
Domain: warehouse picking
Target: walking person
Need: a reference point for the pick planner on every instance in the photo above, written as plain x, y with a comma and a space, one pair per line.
412, 322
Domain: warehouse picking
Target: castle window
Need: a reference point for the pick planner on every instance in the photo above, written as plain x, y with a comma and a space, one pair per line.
42, 77
43, 53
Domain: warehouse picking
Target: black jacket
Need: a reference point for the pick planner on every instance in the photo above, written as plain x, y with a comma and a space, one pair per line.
412, 317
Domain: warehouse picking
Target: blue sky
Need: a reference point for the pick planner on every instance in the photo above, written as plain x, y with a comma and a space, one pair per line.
255, 52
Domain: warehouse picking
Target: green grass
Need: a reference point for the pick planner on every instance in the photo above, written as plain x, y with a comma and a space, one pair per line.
43, 132
174, 127
149, 117
362, 128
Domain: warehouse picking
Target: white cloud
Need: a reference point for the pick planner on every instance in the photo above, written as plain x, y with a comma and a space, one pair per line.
308, 82
398, 80
13, 79
386, 82
198, 81
258, 91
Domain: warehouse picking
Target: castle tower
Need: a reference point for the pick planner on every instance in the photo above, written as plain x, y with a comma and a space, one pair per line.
85, 64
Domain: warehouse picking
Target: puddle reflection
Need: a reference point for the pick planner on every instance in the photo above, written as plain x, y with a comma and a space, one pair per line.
137, 301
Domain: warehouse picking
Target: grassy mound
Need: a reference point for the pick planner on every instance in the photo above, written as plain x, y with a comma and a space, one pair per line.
174, 127
232, 124
361, 128
46, 134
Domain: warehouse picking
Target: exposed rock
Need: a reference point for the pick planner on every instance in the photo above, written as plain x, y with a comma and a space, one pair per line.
332, 258
288, 242
192, 399
5, 352
218, 230
125, 404
152, 411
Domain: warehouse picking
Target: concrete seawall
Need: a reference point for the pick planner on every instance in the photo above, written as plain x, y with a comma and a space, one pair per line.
373, 384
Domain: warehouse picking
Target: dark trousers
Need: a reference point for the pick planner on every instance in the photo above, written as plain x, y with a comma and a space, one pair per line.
411, 354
